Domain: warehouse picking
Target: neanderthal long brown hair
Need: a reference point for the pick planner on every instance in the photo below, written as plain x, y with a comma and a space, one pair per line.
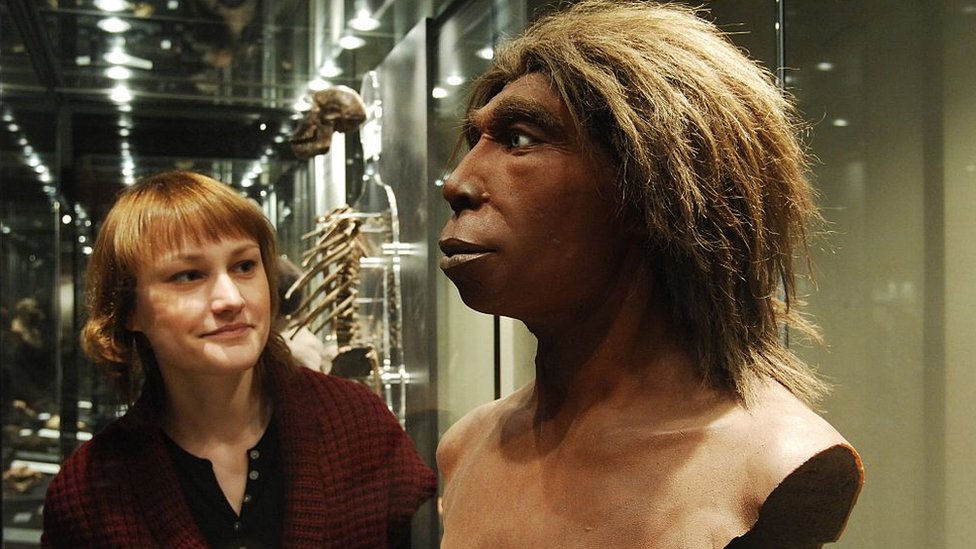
158, 214
709, 164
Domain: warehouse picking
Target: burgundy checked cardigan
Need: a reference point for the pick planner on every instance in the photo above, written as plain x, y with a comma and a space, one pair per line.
352, 476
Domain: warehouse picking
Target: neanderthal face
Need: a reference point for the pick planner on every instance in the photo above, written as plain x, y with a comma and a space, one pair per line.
534, 234
338, 109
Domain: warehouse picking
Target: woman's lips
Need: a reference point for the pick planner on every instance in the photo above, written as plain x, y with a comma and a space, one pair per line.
458, 252
229, 332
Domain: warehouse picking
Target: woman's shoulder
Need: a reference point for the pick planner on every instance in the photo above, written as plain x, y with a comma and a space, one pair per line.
95, 465
339, 390
345, 409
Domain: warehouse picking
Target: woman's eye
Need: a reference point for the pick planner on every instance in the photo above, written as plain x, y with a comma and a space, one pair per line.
186, 276
247, 266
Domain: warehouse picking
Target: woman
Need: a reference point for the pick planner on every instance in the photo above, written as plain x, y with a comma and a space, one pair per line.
228, 441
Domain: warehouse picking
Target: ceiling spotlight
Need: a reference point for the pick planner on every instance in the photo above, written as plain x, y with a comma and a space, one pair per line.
112, 5
351, 42
318, 84
118, 56
301, 105
454, 80
364, 21
841, 122
825, 66
485, 53
120, 94
114, 25
118, 72
438, 92
330, 69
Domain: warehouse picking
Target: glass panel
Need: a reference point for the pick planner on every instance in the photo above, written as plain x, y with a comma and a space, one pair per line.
889, 86
29, 265
465, 338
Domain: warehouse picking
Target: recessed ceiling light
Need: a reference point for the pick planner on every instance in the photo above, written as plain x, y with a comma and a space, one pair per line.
318, 84
840, 122
454, 80
438, 92
351, 42
120, 94
114, 25
485, 53
825, 66
118, 72
111, 5
364, 21
330, 69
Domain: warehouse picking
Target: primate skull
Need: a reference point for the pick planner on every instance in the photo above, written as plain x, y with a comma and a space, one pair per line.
337, 109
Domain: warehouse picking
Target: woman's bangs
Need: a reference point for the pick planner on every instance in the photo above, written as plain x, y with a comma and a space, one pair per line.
193, 221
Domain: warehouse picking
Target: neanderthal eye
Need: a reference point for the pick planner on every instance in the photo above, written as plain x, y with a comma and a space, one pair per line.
517, 139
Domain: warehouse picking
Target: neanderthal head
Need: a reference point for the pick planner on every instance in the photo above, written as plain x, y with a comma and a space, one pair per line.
338, 109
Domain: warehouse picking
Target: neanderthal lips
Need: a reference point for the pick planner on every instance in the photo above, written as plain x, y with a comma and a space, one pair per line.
458, 252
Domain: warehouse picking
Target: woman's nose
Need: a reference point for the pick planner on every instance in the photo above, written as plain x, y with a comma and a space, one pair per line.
464, 189
226, 294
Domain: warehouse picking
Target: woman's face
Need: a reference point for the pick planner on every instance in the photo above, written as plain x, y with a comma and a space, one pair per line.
205, 308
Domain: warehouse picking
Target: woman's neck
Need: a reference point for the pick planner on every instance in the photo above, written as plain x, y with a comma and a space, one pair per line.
203, 410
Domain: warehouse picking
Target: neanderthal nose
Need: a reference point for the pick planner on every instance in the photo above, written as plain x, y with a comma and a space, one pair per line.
463, 193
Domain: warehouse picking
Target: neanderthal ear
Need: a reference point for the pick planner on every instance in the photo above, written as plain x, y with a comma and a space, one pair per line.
337, 109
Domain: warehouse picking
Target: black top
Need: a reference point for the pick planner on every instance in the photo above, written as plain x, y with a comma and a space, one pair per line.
259, 525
